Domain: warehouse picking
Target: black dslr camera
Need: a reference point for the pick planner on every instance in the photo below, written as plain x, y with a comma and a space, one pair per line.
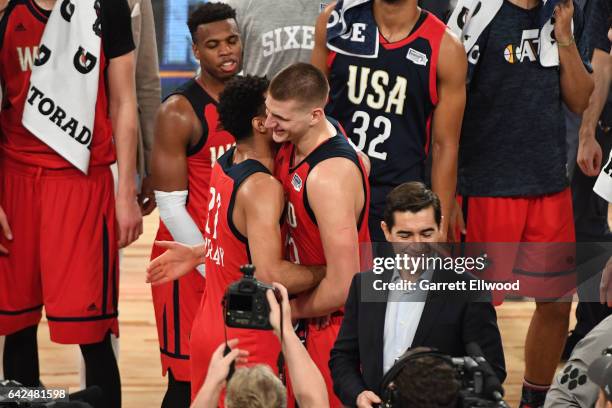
245, 305
476, 390
479, 386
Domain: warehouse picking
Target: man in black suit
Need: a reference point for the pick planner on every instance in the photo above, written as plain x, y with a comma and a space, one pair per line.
379, 325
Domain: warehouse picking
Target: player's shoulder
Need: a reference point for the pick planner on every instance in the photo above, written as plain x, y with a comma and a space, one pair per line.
450, 42
261, 181
333, 171
176, 120
175, 105
260, 187
452, 59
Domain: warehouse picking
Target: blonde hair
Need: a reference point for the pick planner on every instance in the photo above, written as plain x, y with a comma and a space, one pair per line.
255, 387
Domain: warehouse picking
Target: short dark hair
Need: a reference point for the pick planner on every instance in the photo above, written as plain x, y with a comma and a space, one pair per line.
242, 99
428, 382
302, 82
414, 197
205, 13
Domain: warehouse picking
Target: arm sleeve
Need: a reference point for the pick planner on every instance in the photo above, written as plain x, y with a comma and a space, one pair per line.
117, 38
173, 213
344, 362
148, 88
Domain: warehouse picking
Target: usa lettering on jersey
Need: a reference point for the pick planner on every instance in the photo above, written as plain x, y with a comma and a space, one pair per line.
377, 89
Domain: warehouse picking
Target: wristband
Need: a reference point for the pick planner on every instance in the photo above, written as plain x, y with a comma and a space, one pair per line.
567, 44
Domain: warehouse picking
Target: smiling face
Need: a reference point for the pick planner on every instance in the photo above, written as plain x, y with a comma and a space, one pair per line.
412, 232
289, 120
218, 47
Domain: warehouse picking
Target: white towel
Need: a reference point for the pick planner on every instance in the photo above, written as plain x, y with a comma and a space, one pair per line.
61, 105
352, 30
603, 185
471, 18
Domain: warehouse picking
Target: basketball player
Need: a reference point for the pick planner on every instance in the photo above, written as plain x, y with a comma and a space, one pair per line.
187, 144
327, 194
242, 226
513, 178
403, 107
62, 227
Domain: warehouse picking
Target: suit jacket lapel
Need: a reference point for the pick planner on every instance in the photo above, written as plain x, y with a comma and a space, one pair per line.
376, 323
433, 307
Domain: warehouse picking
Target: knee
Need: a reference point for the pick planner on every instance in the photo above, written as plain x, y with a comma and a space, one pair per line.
554, 311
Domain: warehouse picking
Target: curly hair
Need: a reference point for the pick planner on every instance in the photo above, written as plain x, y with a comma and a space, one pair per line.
242, 99
428, 382
255, 387
206, 13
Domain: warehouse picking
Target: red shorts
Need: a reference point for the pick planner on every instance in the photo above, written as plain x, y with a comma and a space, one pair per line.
176, 304
319, 344
530, 240
63, 254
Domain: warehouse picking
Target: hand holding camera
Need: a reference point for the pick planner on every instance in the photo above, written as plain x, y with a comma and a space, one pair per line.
275, 296
246, 304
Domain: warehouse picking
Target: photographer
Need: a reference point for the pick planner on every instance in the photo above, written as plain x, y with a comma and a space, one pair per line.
257, 387
417, 374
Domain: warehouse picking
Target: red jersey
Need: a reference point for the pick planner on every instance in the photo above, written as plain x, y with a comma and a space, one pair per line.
201, 157
176, 304
21, 30
304, 244
303, 241
226, 250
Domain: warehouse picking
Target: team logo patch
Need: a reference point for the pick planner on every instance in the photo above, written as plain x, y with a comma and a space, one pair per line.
296, 182
417, 57
528, 49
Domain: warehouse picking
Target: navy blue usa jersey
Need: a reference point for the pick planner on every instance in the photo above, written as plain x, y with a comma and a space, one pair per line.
385, 104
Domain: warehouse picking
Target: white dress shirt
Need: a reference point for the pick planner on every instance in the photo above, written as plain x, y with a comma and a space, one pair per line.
404, 310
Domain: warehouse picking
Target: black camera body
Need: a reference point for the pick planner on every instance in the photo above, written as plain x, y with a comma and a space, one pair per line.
479, 385
245, 305
473, 377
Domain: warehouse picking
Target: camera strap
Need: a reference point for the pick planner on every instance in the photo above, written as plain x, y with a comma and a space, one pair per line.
227, 347
280, 362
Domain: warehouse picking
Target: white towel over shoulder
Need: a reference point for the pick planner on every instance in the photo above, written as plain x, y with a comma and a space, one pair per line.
61, 104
